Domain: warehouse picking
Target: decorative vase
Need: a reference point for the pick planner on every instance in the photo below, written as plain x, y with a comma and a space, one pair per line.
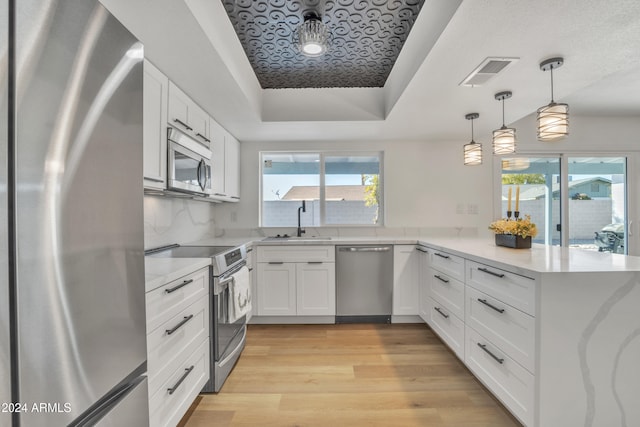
513, 241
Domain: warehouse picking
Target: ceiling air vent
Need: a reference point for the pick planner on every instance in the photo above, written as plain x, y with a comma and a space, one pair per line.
488, 69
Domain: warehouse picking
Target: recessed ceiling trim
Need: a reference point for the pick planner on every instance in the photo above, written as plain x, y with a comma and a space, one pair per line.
488, 69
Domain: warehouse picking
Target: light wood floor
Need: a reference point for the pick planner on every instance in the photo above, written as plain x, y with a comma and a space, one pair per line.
348, 375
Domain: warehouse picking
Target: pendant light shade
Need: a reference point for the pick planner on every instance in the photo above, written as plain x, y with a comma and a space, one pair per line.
553, 119
472, 150
515, 164
312, 36
504, 139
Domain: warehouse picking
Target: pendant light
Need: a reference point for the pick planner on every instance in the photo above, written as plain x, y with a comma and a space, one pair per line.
504, 139
472, 150
553, 119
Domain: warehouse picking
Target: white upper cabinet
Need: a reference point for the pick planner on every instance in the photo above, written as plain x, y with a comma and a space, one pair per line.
232, 166
217, 159
154, 137
187, 116
225, 163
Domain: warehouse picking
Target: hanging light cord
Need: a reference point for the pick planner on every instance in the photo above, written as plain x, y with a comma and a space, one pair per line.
472, 140
503, 125
551, 70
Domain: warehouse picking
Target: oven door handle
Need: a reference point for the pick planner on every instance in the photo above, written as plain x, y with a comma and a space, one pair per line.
226, 281
223, 300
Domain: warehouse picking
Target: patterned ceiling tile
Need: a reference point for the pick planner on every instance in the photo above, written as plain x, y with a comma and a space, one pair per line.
366, 39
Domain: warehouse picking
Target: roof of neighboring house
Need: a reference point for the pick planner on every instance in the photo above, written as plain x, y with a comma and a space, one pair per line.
537, 191
332, 192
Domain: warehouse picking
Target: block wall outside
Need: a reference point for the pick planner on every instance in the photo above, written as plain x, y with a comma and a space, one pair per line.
585, 216
284, 213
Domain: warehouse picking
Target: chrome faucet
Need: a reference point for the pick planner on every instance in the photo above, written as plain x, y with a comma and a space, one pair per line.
304, 209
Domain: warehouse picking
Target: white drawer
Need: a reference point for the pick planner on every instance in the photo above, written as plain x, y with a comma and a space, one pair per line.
447, 291
510, 329
306, 253
448, 327
164, 302
515, 290
506, 379
191, 324
451, 265
167, 409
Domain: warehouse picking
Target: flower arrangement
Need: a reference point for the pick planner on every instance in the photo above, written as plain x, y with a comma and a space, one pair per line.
519, 227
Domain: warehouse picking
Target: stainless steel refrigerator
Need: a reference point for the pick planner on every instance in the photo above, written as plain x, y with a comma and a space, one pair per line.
72, 314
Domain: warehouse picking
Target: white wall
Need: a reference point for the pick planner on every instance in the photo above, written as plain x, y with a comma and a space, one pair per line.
171, 220
427, 189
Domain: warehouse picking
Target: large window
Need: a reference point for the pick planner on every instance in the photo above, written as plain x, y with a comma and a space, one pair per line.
574, 201
337, 188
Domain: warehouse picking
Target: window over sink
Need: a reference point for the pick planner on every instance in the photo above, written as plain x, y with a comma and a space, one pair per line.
339, 188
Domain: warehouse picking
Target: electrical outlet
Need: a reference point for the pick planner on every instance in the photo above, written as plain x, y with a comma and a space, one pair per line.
472, 209
460, 208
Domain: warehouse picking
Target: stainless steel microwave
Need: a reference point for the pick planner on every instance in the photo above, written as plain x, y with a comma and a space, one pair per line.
189, 164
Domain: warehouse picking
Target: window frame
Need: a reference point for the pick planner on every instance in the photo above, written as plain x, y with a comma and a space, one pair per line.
323, 154
631, 205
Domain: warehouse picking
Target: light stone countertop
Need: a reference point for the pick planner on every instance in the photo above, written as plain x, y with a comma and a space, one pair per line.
160, 271
540, 259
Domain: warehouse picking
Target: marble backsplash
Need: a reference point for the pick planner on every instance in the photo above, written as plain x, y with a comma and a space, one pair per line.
176, 220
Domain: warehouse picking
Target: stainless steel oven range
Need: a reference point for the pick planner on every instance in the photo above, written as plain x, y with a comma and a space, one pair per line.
226, 338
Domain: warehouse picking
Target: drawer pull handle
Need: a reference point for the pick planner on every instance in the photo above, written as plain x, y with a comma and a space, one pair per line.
175, 328
446, 316
175, 288
422, 250
484, 270
484, 301
182, 378
314, 262
276, 262
442, 256
440, 278
496, 358
183, 124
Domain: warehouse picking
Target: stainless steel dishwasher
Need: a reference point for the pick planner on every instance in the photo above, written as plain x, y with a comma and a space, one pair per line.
364, 283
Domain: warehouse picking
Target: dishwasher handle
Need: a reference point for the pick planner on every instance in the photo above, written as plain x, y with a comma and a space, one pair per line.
365, 249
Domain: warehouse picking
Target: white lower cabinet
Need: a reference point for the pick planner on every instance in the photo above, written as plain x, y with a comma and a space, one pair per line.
448, 326
316, 289
296, 281
276, 287
423, 286
175, 395
504, 325
177, 345
406, 271
485, 315
505, 377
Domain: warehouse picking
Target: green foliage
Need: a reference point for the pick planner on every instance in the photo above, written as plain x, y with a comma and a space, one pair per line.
523, 178
372, 192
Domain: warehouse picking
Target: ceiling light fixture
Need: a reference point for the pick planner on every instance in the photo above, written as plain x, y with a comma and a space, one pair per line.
504, 139
472, 150
313, 36
553, 119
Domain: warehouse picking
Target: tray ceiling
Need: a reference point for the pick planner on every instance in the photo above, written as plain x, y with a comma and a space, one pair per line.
366, 39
